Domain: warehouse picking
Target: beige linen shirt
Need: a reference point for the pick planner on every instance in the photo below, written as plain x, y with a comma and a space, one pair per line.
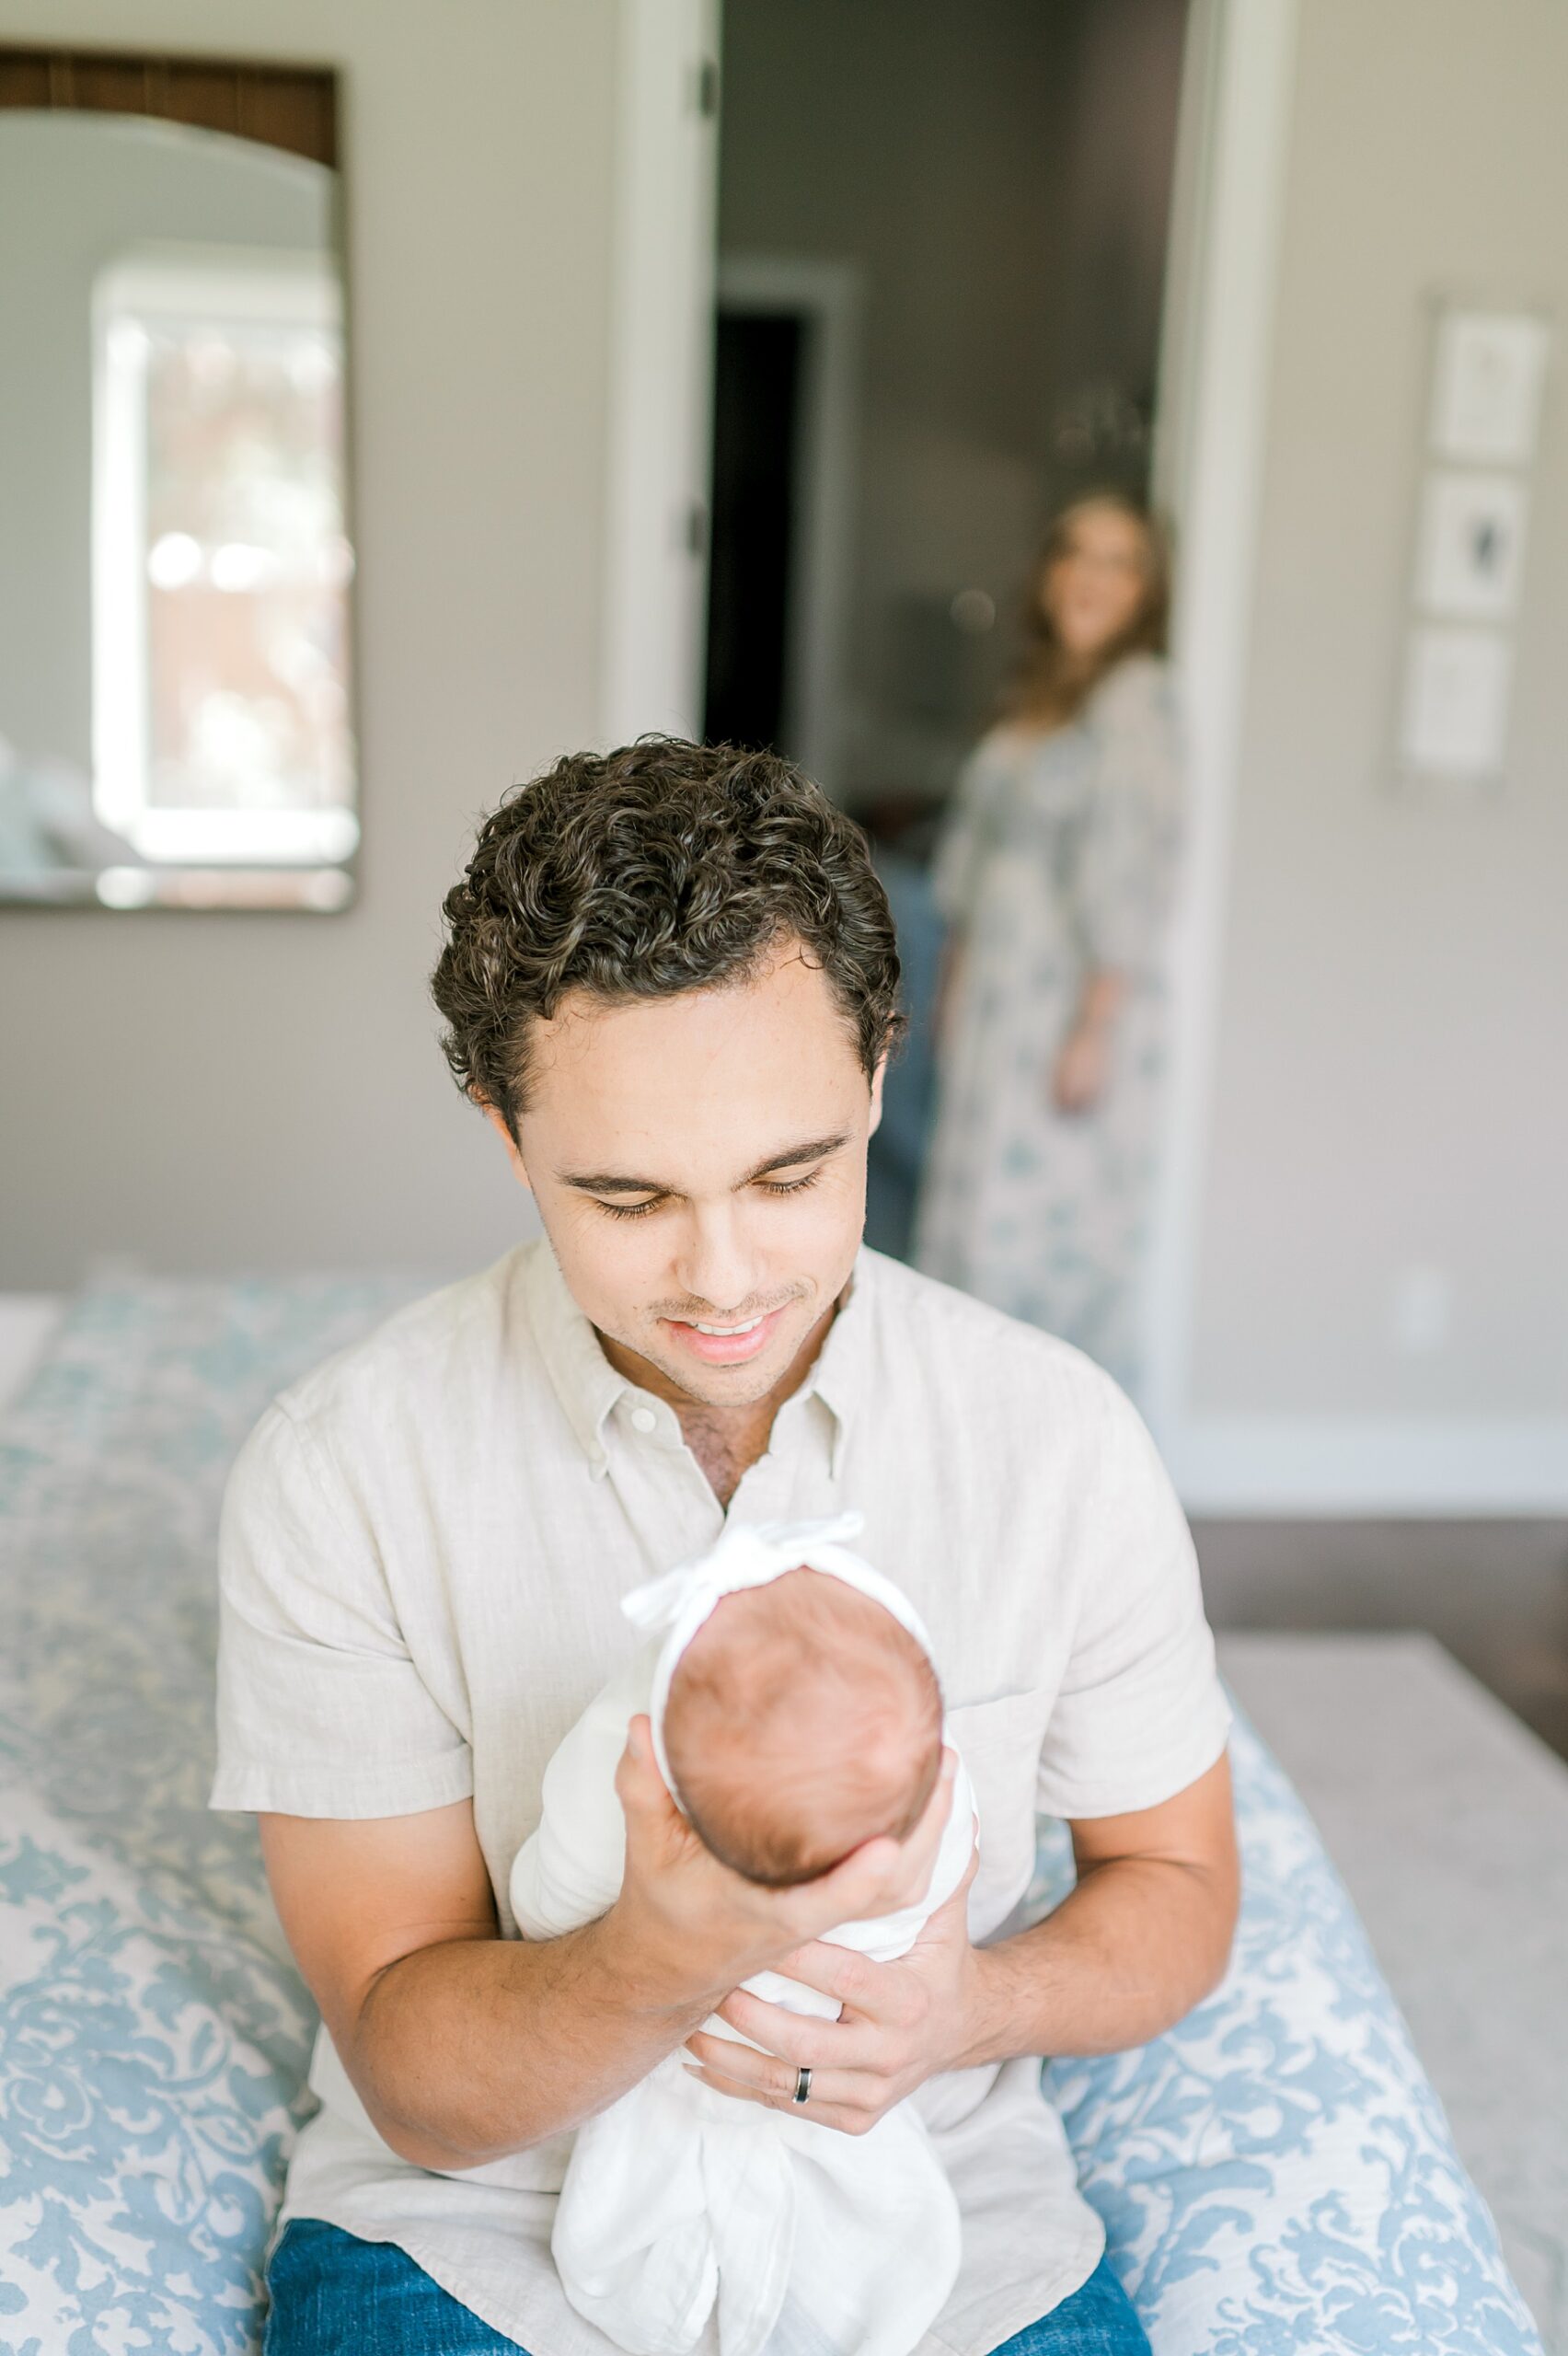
424, 1548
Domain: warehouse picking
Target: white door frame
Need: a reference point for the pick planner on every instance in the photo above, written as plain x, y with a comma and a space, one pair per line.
828, 295
1232, 147
653, 607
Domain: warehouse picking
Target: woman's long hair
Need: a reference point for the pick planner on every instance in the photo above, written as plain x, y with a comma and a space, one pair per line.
1051, 684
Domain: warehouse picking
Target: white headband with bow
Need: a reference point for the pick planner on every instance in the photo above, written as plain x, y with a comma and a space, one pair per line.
750, 1554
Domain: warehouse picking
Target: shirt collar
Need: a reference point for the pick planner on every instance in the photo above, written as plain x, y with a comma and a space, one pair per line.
585, 1382
588, 1386
838, 1378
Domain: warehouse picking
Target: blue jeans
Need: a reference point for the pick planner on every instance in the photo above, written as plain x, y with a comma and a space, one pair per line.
335, 2295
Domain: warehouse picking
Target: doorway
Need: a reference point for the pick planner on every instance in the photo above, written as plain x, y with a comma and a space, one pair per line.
1233, 144
991, 187
985, 194
752, 556
785, 391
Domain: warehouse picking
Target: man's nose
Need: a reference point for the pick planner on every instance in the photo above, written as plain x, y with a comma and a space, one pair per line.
716, 1266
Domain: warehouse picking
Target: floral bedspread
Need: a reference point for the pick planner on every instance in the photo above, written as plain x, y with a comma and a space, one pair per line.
1275, 2175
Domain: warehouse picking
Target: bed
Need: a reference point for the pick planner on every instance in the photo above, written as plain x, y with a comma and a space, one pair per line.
1277, 2175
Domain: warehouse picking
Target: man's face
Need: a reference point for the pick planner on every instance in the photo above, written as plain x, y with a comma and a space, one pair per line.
699, 1165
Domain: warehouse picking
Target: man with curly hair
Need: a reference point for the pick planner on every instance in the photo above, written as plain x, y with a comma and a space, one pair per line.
670, 984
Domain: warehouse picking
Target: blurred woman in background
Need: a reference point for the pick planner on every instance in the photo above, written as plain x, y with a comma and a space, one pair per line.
1054, 873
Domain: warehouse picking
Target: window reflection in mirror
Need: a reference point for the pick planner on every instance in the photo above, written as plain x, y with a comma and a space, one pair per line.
175, 719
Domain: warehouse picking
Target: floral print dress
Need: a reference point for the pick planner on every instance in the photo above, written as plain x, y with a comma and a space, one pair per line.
1059, 857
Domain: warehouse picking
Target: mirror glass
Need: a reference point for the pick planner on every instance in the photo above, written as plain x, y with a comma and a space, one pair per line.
176, 713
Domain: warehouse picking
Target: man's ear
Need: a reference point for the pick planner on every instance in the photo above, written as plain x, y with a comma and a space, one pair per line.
877, 1078
514, 1153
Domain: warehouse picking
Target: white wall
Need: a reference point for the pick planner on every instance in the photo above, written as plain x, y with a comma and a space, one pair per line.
217, 1090
1390, 1092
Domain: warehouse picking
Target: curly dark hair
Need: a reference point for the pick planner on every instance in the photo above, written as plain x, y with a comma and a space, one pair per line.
662, 867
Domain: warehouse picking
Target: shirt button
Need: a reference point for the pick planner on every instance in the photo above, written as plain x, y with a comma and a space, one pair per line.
643, 1419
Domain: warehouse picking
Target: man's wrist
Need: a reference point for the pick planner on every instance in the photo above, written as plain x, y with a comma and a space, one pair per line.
1002, 2013
651, 1970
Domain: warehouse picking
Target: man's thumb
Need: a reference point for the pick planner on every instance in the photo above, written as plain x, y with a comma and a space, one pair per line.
637, 1780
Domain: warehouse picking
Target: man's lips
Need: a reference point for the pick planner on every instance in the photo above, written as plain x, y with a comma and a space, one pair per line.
717, 1342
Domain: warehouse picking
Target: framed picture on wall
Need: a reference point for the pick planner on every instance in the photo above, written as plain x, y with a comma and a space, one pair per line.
1471, 552
1486, 389
1454, 724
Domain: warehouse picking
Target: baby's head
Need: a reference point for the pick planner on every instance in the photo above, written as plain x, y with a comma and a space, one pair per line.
801, 1720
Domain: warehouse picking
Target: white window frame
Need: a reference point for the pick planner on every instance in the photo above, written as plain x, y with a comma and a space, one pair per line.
180, 286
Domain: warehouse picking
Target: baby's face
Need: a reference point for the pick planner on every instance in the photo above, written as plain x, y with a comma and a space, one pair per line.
803, 1720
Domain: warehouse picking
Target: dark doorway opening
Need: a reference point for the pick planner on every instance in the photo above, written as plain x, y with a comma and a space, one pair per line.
756, 391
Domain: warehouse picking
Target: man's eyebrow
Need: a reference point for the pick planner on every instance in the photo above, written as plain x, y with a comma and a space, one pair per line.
621, 1181
817, 1149
610, 1181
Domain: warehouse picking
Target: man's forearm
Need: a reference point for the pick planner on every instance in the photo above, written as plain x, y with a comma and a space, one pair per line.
473, 2048
1136, 1945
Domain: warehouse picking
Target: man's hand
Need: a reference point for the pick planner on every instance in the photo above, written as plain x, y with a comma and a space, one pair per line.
693, 1924
1140, 1940
899, 2024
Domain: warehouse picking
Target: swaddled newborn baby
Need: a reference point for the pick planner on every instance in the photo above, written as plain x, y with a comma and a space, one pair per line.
795, 1715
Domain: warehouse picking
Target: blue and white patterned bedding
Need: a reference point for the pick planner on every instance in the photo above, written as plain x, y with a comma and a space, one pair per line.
1276, 2176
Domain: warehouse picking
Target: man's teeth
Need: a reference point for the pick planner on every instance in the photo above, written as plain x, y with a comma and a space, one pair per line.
749, 1328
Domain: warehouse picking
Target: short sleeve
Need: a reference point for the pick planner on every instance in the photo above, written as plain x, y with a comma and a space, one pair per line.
1127, 864
1140, 1713
321, 1710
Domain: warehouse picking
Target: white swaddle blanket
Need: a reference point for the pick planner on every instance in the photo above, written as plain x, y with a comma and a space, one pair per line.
679, 2199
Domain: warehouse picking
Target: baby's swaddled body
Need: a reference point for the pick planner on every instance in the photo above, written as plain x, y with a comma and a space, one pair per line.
795, 1715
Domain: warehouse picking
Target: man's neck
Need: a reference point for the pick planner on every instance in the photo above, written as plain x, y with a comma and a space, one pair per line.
726, 1441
